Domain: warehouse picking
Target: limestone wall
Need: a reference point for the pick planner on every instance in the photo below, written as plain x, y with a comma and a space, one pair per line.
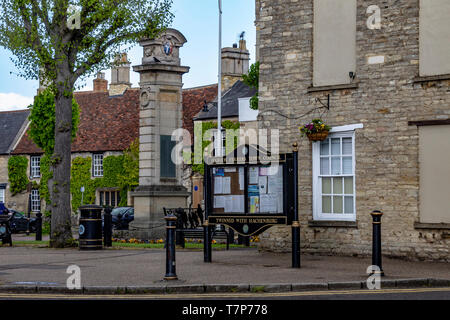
386, 98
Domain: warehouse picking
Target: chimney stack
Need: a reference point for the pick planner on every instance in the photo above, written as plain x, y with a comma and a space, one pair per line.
120, 75
235, 63
100, 83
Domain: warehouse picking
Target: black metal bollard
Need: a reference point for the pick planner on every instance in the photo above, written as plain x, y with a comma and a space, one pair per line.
376, 241
27, 232
231, 235
38, 226
295, 222
179, 235
171, 273
107, 227
244, 240
207, 246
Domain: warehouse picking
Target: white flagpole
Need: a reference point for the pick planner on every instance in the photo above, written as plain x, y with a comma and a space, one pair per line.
219, 90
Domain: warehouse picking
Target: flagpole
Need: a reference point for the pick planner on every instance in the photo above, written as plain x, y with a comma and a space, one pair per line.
219, 89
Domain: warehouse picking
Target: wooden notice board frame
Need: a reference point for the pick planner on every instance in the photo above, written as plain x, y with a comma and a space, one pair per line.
230, 185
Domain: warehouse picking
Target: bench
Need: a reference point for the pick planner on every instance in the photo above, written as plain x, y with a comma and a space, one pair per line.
5, 229
198, 233
189, 222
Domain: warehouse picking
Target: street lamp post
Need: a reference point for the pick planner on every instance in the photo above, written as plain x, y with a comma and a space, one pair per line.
219, 89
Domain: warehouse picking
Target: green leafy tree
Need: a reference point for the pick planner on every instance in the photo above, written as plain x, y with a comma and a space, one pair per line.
65, 40
252, 80
129, 179
205, 126
42, 117
17, 174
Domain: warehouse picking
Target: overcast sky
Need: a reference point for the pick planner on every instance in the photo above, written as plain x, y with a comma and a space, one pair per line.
196, 19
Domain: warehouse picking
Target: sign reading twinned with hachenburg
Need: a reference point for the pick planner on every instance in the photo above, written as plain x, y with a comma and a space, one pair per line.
249, 190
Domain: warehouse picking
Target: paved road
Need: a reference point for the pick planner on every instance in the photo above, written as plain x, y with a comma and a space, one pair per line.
146, 267
383, 294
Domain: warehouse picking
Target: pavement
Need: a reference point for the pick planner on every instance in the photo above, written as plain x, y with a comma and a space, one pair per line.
109, 271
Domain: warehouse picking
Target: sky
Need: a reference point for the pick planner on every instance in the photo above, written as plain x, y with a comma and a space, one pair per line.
197, 20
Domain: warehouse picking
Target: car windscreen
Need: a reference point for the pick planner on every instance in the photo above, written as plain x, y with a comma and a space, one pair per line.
117, 211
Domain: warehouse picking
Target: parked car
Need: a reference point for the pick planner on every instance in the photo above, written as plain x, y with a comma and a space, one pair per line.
121, 217
19, 222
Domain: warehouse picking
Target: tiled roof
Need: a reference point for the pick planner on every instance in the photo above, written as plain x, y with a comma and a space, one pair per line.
11, 123
230, 102
193, 101
106, 123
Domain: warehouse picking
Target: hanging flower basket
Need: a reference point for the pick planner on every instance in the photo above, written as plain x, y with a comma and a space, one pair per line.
316, 130
318, 136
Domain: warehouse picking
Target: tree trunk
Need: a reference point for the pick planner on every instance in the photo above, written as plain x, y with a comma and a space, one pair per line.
59, 185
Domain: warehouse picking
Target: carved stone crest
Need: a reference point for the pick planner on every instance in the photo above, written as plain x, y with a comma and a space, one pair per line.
145, 98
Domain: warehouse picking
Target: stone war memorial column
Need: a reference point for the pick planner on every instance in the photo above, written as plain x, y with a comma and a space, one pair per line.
160, 180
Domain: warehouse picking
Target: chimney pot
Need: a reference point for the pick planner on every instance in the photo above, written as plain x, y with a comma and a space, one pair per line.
100, 83
242, 44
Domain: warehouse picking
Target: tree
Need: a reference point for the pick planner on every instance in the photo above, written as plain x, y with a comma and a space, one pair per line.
252, 80
63, 41
130, 177
42, 118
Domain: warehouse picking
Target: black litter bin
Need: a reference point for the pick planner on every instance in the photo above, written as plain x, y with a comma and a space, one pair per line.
90, 232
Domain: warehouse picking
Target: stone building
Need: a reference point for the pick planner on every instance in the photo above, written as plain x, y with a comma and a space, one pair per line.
386, 71
109, 123
12, 126
200, 105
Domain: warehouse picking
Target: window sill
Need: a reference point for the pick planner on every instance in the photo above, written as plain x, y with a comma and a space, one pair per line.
429, 122
334, 87
440, 226
168, 179
420, 79
332, 224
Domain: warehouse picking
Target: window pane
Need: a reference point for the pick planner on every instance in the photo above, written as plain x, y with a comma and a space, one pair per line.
35, 201
348, 204
337, 204
337, 185
348, 185
326, 185
35, 167
335, 165
107, 199
326, 204
324, 166
347, 146
113, 199
347, 165
118, 198
2, 195
336, 146
98, 165
101, 198
325, 147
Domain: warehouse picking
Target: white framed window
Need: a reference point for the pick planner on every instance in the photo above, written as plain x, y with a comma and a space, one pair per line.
97, 165
35, 166
334, 178
2, 194
35, 200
